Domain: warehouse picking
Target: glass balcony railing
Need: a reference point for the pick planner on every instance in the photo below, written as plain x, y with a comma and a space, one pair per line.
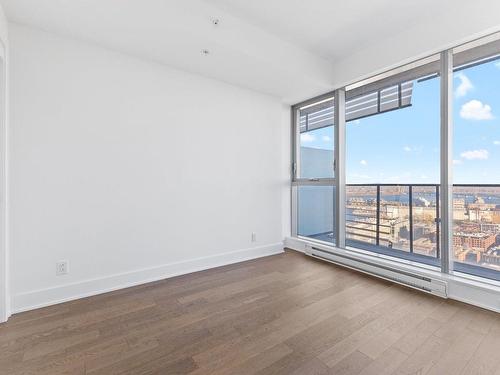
402, 220
396, 219
476, 229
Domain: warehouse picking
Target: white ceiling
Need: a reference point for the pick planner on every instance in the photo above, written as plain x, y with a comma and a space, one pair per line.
292, 49
328, 28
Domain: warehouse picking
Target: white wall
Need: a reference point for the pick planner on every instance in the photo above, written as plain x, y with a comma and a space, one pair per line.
132, 171
446, 26
4, 259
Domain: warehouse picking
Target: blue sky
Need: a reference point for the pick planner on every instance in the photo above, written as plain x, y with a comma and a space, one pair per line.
402, 146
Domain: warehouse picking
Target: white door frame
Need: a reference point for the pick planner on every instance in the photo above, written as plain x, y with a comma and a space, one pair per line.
4, 259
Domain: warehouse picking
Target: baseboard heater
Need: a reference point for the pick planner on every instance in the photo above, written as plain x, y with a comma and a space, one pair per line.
412, 280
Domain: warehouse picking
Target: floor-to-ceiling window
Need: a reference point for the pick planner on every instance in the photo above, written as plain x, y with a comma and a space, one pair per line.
392, 163
421, 163
314, 176
476, 193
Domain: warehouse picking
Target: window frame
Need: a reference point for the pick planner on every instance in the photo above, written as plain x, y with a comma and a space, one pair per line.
446, 72
319, 181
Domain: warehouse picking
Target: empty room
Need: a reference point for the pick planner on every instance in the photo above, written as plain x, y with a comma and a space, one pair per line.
241, 187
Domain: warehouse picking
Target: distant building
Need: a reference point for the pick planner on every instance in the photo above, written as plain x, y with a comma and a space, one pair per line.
489, 227
459, 212
478, 241
495, 215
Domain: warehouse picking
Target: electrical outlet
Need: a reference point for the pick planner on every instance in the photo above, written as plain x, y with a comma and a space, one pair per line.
254, 236
62, 268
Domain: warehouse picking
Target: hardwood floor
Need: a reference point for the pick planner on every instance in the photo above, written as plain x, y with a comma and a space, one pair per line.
285, 314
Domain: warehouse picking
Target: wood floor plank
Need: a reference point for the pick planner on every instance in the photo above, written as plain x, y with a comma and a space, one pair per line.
228, 290
351, 343
352, 364
312, 367
380, 343
456, 324
485, 358
291, 364
422, 360
280, 330
287, 314
386, 363
415, 337
458, 354
58, 345
258, 362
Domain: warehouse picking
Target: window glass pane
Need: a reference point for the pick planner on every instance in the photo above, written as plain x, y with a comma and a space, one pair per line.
316, 141
361, 215
476, 148
425, 211
393, 164
315, 212
394, 217
476, 229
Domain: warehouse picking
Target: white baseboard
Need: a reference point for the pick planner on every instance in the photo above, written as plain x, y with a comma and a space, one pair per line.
482, 294
51, 296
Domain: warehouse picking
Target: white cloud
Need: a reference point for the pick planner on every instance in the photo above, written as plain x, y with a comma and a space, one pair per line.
357, 122
465, 85
496, 143
363, 162
475, 110
307, 138
417, 149
326, 138
475, 155
457, 161
498, 65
